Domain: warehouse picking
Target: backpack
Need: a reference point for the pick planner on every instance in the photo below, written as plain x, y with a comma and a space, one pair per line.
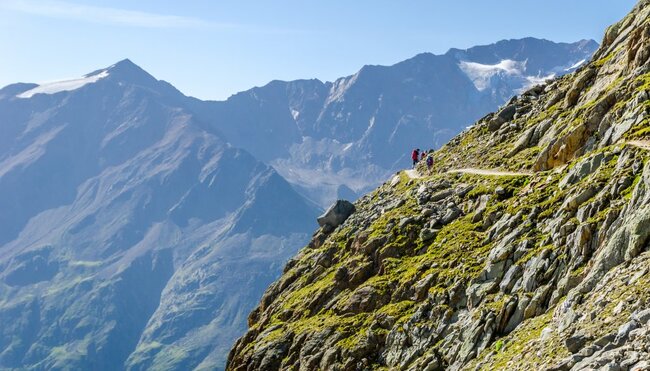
429, 161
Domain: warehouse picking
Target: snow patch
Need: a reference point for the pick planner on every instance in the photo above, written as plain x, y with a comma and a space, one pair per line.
481, 74
535, 80
60, 86
578, 64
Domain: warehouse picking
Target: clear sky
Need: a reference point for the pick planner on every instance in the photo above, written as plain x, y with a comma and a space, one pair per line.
213, 48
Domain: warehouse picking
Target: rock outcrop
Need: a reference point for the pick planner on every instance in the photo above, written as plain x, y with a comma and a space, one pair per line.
336, 214
542, 265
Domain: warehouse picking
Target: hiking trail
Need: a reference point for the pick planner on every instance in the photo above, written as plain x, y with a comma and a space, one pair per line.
643, 144
474, 171
414, 174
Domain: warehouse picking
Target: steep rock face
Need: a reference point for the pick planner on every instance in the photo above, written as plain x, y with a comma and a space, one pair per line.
341, 139
126, 226
525, 246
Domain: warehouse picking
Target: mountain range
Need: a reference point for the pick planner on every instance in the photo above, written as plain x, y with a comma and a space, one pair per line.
341, 139
139, 226
131, 235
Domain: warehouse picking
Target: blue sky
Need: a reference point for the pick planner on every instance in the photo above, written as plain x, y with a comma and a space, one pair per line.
212, 49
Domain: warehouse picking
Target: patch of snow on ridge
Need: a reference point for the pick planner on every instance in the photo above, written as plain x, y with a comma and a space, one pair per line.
535, 80
481, 74
60, 86
575, 66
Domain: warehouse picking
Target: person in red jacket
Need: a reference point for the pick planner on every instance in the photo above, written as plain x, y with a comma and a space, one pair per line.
423, 155
415, 156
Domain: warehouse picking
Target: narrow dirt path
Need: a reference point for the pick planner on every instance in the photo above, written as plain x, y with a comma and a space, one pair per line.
413, 174
643, 144
488, 172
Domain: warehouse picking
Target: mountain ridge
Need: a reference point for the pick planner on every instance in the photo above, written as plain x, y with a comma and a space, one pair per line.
370, 117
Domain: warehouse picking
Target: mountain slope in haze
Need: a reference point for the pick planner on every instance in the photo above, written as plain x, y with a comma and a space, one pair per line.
343, 138
132, 235
525, 247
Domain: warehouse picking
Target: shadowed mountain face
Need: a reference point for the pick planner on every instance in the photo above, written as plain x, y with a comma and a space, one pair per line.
345, 137
131, 234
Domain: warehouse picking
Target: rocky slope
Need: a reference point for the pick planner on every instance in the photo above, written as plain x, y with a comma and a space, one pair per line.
525, 246
343, 138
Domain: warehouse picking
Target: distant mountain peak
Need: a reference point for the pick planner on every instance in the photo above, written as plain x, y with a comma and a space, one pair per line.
122, 71
126, 70
125, 66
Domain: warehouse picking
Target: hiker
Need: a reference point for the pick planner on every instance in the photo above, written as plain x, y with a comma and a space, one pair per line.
423, 155
415, 156
430, 161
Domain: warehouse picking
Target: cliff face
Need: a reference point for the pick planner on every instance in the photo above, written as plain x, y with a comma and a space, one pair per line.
524, 247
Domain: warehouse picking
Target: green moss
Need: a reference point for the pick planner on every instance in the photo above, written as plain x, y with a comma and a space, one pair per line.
408, 208
397, 310
642, 129
643, 82
295, 299
481, 189
357, 327
627, 193
498, 345
496, 302
527, 157
515, 346
602, 61
533, 253
579, 271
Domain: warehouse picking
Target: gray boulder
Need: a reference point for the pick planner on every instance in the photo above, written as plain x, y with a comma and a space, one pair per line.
576, 342
428, 234
584, 168
507, 113
336, 214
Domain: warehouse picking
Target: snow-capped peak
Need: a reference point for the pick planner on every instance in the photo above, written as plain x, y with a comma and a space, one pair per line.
65, 85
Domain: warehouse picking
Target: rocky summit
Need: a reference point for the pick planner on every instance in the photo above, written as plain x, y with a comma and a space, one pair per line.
523, 247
